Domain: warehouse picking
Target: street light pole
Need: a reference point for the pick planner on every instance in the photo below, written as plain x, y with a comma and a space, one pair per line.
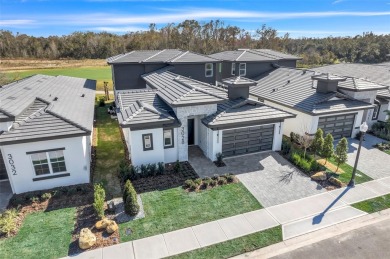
363, 130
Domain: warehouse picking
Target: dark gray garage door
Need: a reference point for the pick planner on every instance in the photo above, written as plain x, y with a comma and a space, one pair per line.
247, 140
339, 126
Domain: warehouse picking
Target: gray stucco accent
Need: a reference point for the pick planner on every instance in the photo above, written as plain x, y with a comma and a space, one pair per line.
50, 177
46, 150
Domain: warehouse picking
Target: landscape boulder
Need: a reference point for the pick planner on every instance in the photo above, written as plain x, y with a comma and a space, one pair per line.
102, 224
87, 239
111, 227
320, 176
336, 182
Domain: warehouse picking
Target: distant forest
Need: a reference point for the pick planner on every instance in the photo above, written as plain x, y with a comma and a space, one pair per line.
206, 38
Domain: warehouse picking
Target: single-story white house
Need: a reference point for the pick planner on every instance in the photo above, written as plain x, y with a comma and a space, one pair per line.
175, 112
336, 104
46, 125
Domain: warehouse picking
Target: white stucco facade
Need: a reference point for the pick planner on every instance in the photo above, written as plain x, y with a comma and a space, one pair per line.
21, 173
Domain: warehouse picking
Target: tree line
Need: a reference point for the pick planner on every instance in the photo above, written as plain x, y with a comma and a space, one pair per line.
206, 38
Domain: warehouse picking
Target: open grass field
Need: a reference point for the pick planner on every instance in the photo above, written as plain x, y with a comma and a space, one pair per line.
42, 235
175, 208
90, 69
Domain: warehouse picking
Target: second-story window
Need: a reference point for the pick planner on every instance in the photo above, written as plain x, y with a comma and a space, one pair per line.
209, 69
233, 69
242, 69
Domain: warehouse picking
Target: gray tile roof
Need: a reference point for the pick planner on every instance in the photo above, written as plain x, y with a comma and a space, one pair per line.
160, 56
244, 112
295, 88
384, 93
376, 73
238, 80
178, 90
67, 98
142, 109
248, 55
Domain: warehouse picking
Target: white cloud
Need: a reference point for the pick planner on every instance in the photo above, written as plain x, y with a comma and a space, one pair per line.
337, 1
11, 23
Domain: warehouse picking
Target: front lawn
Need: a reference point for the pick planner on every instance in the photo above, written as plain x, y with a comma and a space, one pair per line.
175, 208
42, 235
109, 152
374, 205
236, 246
346, 176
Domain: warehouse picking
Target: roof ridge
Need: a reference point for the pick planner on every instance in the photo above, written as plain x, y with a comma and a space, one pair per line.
66, 120
120, 56
179, 56
168, 68
152, 56
243, 52
28, 118
177, 79
259, 53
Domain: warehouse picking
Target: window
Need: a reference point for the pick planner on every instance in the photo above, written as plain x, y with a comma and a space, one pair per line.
233, 69
168, 138
376, 112
46, 163
242, 69
147, 140
209, 69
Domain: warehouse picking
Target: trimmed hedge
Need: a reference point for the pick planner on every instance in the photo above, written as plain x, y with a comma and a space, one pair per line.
130, 199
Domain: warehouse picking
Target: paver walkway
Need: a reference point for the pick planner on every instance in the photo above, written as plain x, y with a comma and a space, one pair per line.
372, 161
268, 176
296, 217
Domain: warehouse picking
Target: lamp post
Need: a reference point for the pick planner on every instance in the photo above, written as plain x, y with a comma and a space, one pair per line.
363, 130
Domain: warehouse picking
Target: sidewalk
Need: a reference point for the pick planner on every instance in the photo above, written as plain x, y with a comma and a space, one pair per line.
297, 218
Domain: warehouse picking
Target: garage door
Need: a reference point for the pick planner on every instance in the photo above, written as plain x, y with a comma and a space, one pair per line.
247, 140
339, 126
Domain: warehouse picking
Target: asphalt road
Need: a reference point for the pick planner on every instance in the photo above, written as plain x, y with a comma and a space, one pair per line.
372, 241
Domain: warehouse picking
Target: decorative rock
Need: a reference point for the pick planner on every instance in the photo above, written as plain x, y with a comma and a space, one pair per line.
320, 176
336, 182
102, 223
111, 227
111, 207
87, 239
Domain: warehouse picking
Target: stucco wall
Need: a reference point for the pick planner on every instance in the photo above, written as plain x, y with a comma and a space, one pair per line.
196, 71
5, 125
253, 69
278, 136
77, 160
183, 113
382, 116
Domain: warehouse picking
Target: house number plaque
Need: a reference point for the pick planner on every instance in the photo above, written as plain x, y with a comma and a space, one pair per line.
12, 164
182, 135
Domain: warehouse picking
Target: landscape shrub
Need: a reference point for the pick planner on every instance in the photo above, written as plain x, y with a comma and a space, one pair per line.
296, 158
160, 168
230, 178
207, 180
152, 170
381, 130
222, 181
34, 199
8, 222
215, 177
46, 196
177, 167
286, 146
198, 181
305, 165
213, 183
144, 170
130, 199
188, 183
99, 198
219, 158
102, 101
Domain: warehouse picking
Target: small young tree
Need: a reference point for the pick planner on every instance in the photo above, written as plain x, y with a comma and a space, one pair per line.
328, 149
130, 201
341, 153
318, 142
305, 141
99, 197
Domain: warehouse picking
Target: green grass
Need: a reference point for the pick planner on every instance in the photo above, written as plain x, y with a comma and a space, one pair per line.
236, 246
42, 235
346, 176
387, 152
374, 205
109, 152
175, 208
99, 73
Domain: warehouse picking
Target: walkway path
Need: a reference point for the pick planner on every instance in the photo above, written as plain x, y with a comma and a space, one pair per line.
297, 218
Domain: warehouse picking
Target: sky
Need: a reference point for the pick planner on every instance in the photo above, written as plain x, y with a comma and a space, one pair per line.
301, 18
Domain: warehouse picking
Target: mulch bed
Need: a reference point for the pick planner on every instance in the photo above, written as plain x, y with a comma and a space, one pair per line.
219, 165
86, 218
166, 181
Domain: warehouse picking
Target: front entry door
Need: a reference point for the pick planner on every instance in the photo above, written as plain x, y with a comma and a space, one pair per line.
191, 131
3, 171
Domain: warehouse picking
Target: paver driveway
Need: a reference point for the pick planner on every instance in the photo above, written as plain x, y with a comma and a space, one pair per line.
271, 178
268, 176
372, 161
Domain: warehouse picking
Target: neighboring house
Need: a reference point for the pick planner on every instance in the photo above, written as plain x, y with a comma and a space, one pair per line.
127, 68
336, 104
376, 73
46, 125
251, 63
175, 112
